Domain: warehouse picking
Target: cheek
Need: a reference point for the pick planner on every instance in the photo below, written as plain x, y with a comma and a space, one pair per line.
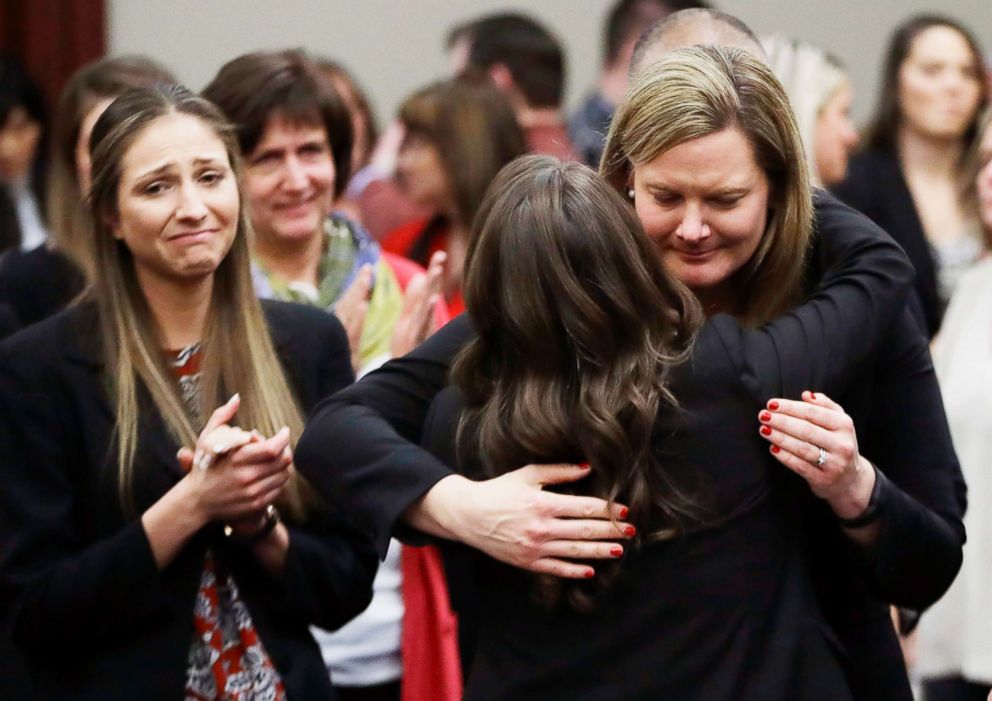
322, 176
658, 223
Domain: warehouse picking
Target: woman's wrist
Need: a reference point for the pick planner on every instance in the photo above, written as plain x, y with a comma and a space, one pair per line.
855, 501
437, 513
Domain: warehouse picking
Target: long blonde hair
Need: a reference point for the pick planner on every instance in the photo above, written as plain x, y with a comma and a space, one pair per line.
237, 350
702, 90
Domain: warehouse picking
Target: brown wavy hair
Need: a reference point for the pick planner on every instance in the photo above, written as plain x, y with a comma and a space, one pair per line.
578, 328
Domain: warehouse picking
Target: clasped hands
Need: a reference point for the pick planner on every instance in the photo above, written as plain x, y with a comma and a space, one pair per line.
234, 475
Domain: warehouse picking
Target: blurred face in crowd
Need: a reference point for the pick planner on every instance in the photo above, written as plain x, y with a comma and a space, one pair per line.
19, 137
704, 203
84, 166
289, 181
421, 175
984, 183
177, 200
939, 85
836, 136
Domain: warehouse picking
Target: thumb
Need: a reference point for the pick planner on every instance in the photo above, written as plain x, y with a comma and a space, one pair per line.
222, 414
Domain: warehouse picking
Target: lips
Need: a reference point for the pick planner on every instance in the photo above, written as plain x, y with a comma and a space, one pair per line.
192, 236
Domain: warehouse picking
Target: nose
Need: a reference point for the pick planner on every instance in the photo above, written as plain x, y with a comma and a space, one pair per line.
191, 204
693, 227
295, 175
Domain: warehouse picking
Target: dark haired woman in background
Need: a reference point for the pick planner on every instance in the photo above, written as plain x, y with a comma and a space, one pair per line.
23, 157
459, 133
911, 178
126, 575
37, 283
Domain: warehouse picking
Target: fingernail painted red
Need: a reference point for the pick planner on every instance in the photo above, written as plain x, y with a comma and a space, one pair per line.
629, 530
773, 405
766, 430
624, 511
775, 449
812, 395
765, 416
584, 465
616, 551
589, 574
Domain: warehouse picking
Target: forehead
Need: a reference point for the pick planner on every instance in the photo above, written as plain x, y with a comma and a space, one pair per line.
940, 42
718, 160
282, 132
173, 138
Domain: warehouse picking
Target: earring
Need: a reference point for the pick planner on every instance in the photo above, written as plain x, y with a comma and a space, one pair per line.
630, 194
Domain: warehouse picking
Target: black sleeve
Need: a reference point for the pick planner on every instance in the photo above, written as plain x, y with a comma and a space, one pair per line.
923, 495
57, 590
824, 343
360, 449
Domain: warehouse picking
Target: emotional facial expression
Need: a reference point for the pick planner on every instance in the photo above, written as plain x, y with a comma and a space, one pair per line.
289, 181
939, 84
704, 203
177, 199
836, 136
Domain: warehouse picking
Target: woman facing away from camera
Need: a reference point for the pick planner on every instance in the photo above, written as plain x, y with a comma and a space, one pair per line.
130, 570
510, 519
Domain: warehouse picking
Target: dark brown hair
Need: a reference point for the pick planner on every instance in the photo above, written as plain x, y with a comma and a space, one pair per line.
578, 325
357, 102
473, 127
881, 134
528, 50
68, 219
255, 87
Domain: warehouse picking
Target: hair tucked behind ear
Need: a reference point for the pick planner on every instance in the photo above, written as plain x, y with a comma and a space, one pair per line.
578, 327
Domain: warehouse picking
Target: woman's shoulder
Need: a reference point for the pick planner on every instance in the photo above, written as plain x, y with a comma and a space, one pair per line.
289, 321
71, 335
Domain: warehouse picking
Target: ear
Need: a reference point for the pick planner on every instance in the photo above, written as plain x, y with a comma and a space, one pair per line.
501, 77
113, 224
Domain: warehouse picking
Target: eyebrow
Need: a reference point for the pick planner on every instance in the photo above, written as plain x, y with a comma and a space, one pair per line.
166, 166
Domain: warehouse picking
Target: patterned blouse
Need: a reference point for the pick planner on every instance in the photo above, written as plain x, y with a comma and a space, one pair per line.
227, 660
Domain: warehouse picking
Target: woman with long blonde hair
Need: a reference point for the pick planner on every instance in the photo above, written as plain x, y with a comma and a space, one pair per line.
137, 571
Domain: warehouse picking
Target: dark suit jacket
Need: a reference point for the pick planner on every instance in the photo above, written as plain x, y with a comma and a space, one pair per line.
386, 473
876, 187
38, 283
87, 604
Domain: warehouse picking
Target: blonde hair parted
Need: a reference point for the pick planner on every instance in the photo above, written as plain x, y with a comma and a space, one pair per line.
702, 90
238, 355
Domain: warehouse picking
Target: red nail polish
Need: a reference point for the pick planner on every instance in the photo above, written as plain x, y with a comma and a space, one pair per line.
584, 465
766, 430
629, 530
765, 416
624, 511
589, 574
776, 449
812, 395
773, 405
616, 551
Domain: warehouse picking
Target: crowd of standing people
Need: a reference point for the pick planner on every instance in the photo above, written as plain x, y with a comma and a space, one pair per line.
491, 403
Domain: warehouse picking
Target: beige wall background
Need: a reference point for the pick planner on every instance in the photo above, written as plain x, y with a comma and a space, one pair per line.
396, 46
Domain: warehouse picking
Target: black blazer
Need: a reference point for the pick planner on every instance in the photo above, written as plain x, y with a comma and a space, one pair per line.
386, 473
875, 186
87, 604
38, 283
